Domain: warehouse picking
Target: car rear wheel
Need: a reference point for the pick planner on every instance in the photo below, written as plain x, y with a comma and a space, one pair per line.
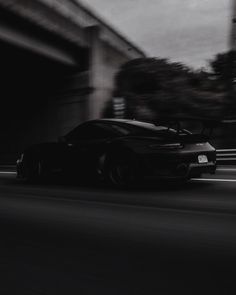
196, 175
122, 170
35, 170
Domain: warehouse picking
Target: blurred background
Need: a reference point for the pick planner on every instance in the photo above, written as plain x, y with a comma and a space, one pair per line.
64, 62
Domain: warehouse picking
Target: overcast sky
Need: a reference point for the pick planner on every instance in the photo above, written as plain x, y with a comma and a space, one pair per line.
190, 31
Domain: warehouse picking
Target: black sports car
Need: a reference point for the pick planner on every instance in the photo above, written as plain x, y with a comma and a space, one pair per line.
122, 152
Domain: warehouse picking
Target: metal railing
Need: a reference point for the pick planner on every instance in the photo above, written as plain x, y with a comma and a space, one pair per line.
226, 156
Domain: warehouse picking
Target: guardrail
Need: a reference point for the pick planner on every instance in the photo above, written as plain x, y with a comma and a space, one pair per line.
226, 156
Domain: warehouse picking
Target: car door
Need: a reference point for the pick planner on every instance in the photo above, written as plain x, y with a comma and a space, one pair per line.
84, 146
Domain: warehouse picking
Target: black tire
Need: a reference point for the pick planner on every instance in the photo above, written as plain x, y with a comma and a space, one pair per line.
196, 175
35, 170
122, 170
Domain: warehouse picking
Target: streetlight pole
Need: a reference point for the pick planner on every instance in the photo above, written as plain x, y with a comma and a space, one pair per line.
231, 63
233, 27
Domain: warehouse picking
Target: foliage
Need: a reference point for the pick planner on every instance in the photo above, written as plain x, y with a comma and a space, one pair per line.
154, 87
223, 68
147, 75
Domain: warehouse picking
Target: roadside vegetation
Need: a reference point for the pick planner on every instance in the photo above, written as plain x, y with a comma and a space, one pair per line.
153, 88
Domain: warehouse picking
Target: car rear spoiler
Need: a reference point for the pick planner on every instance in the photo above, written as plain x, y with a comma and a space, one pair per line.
208, 125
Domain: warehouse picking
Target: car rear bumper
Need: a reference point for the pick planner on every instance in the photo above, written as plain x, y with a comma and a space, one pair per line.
180, 171
177, 165
195, 169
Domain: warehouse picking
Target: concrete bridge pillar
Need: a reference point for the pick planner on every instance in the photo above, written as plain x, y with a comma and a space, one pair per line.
96, 73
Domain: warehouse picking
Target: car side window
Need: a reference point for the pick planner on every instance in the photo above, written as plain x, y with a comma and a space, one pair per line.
122, 130
89, 132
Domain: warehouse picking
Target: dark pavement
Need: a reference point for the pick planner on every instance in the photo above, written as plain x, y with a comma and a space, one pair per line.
70, 239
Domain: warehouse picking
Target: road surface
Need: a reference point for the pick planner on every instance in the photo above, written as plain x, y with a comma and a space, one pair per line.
70, 239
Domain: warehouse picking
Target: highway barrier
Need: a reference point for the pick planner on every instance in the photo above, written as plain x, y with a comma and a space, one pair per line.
226, 156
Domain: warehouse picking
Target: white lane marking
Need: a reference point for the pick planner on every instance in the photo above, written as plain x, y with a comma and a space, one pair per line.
226, 169
214, 179
225, 150
195, 179
7, 172
226, 159
227, 155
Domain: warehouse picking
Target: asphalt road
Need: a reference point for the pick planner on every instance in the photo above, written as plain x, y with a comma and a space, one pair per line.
70, 239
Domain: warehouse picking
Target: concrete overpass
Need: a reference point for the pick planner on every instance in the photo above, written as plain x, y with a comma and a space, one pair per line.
58, 60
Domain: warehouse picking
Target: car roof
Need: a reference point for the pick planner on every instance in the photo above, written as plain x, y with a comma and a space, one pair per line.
130, 122
115, 120
126, 121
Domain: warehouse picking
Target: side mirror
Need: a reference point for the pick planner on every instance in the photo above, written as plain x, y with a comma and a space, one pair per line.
61, 139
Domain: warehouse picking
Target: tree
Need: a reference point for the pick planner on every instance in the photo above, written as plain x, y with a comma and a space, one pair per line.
223, 69
156, 87
148, 75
